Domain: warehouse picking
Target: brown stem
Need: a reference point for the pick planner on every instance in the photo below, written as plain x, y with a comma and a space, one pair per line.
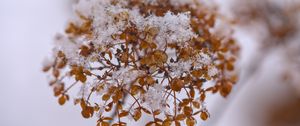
116, 110
70, 87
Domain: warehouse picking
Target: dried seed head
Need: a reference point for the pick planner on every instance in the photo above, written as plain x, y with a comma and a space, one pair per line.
140, 57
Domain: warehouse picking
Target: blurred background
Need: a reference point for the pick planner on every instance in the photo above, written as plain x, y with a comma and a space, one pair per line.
26, 37
266, 95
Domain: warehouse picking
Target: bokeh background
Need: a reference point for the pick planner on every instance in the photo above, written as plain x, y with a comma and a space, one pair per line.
26, 35
261, 98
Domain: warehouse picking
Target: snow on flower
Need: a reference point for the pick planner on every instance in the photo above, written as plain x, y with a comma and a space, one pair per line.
180, 67
126, 75
68, 47
212, 71
142, 54
172, 28
154, 97
202, 59
110, 20
173, 2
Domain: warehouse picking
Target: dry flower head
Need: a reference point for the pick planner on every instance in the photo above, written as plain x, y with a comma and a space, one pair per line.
142, 57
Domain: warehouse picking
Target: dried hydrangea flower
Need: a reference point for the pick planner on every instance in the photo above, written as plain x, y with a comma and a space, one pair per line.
149, 57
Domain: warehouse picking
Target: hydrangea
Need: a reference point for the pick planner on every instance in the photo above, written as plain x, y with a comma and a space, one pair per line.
134, 57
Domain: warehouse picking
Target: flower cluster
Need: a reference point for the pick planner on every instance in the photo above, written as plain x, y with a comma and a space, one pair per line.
142, 57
